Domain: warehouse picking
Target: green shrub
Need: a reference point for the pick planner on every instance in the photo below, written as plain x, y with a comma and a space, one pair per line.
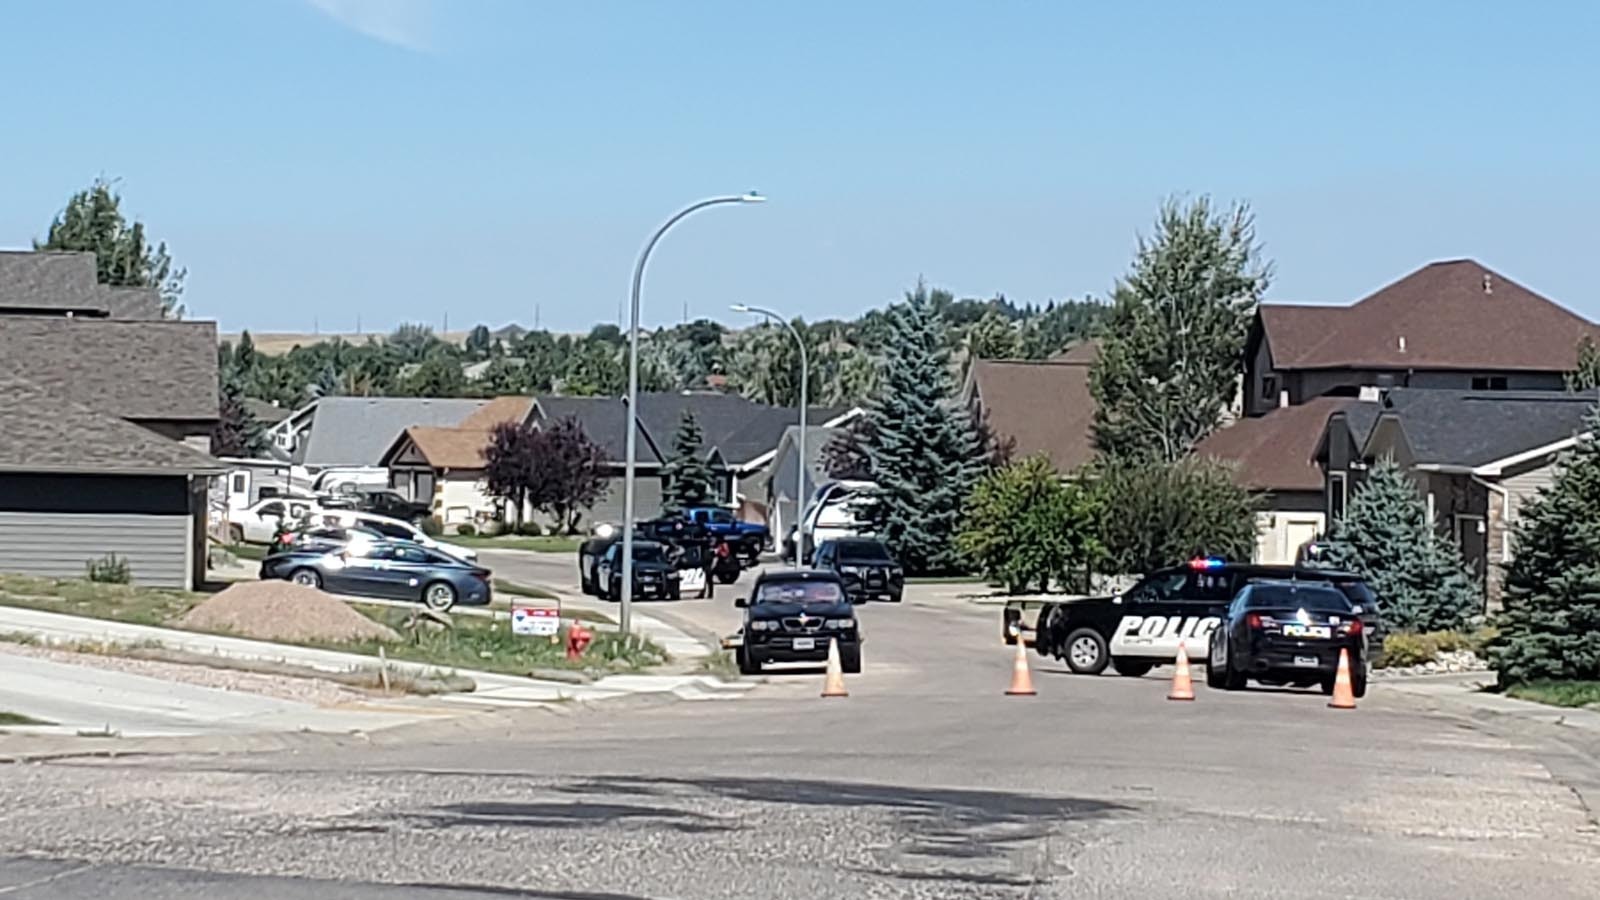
431, 526
530, 529
1449, 641
466, 530
110, 569
1405, 649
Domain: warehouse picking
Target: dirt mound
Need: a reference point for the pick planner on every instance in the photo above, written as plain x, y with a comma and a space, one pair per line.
283, 611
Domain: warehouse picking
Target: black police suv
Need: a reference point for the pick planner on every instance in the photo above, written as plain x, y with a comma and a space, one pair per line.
790, 616
1288, 632
1179, 605
865, 566
654, 577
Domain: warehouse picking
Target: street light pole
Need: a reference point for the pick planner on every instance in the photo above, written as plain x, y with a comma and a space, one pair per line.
626, 600
800, 440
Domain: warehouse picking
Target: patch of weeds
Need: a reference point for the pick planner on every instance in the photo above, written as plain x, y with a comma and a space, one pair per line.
12, 718
19, 637
721, 664
110, 569
116, 602
1557, 693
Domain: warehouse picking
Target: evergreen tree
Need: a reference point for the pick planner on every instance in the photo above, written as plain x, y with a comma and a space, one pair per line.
93, 221
1172, 346
1550, 626
922, 449
689, 480
479, 343
1385, 537
1586, 377
237, 432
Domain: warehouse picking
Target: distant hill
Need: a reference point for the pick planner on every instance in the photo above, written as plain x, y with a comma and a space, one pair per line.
274, 343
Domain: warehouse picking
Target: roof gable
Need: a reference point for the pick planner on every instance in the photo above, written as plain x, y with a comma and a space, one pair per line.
1475, 428
49, 281
1037, 407
1277, 451
1457, 314
44, 433
500, 409
358, 431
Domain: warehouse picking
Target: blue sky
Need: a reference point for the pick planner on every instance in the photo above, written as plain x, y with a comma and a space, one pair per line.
320, 160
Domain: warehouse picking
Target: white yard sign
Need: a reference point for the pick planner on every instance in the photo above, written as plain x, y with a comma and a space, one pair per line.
526, 620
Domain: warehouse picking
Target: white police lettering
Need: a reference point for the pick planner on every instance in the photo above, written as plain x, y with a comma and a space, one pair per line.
1159, 636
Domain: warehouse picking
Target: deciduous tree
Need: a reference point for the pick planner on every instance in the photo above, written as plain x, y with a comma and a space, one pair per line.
1025, 527
93, 221
1156, 514
568, 474
509, 463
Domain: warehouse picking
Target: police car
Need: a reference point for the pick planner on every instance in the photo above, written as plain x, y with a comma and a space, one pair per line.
1168, 608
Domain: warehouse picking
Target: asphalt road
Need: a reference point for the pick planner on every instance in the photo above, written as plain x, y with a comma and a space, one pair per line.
925, 782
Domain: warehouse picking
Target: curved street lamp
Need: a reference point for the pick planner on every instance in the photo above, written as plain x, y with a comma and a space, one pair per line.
626, 600
800, 441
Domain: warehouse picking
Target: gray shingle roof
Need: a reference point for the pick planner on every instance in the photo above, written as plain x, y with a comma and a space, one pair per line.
49, 281
356, 431
1468, 428
44, 433
739, 428
133, 370
132, 302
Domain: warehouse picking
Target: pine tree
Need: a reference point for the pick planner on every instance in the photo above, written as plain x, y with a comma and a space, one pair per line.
1171, 349
93, 221
1550, 626
1586, 377
690, 481
1385, 537
238, 432
922, 449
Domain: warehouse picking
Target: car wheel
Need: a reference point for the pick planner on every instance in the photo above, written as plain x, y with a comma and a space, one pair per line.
727, 577
1131, 668
439, 596
1086, 652
586, 579
674, 595
1232, 679
850, 660
1215, 674
236, 533
311, 578
748, 665
1358, 680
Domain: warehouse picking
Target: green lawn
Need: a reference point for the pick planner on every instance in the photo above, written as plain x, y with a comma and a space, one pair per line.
549, 543
247, 551
474, 642
11, 718
1557, 693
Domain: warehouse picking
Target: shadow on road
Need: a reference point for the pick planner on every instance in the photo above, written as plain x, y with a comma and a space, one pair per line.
567, 815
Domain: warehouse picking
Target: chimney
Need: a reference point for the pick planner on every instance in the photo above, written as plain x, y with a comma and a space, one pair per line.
1402, 343
1283, 398
1488, 283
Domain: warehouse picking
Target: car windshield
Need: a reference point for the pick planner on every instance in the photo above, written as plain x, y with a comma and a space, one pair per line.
1310, 597
721, 517
863, 551
799, 592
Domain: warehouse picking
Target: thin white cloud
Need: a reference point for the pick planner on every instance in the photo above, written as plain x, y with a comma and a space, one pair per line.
403, 23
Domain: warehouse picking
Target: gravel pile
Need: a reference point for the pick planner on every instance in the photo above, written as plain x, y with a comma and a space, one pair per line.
283, 611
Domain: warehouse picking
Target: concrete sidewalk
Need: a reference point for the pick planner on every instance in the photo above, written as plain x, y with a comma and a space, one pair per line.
492, 688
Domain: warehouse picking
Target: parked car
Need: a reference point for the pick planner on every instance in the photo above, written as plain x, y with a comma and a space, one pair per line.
325, 537
394, 529
834, 511
389, 503
391, 570
792, 615
654, 577
865, 567
1288, 632
258, 522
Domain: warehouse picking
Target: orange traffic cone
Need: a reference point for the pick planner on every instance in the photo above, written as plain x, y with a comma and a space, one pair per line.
833, 684
1344, 696
1021, 678
1182, 687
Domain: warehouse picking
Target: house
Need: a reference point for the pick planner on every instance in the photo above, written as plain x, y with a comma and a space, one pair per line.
1454, 325
776, 483
356, 431
1275, 456
106, 410
1477, 457
447, 463
1033, 407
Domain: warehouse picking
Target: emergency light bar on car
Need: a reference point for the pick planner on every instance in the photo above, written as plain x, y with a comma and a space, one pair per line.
1204, 564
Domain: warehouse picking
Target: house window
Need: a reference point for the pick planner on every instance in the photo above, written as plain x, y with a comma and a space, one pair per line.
1338, 491
1488, 382
1269, 389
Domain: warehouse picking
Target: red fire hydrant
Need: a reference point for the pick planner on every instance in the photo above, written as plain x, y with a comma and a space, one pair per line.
578, 638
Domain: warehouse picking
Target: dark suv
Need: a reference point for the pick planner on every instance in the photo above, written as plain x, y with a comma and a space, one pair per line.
865, 567
791, 616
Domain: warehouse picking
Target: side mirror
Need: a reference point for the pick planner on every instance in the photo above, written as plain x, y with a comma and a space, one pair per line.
741, 602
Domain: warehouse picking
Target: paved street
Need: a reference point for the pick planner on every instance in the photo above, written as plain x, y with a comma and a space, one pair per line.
925, 782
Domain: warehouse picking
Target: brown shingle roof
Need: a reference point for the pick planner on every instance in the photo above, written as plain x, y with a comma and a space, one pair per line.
1085, 352
1456, 314
500, 409
1277, 451
133, 370
1042, 407
44, 433
450, 448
